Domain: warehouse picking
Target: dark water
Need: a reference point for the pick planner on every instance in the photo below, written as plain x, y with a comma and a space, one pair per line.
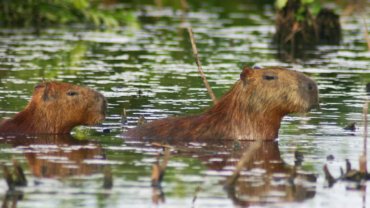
147, 68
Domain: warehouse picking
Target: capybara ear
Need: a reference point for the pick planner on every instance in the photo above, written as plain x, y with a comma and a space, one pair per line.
48, 92
40, 85
247, 71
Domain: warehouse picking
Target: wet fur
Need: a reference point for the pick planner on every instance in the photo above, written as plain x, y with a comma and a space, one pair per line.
251, 110
54, 110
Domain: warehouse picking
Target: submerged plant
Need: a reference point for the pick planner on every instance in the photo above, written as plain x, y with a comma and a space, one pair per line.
302, 24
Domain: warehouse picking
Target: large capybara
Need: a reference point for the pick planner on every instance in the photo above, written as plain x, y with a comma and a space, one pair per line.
56, 108
251, 110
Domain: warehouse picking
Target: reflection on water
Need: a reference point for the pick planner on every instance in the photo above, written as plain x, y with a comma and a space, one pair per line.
265, 178
58, 156
150, 71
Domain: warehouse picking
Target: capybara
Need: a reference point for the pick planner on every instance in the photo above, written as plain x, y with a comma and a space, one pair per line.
251, 110
56, 108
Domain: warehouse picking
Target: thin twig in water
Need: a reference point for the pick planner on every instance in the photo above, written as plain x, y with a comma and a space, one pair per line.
366, 106
166, 158
159, 169
8, 177
19, 174
184, 5
331, 180
241, 164
367, 38
202, 75
161, 145
108, 178
196, 195
124, 117
363, 160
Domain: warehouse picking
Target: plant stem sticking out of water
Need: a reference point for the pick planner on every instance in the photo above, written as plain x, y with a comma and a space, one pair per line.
19, 174
16, 177
331, 180
108, 178
184, 5
197, 61
197, 190
363, 157
158, 171
367, 38
160, 168
124, 117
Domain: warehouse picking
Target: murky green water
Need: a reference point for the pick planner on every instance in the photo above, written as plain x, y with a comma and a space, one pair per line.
148, 69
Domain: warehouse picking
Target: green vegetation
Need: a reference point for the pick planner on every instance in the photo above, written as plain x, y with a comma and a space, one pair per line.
312, 6
41, 13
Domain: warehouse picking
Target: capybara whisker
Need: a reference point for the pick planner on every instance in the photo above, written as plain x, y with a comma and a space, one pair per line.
56, 108
251, 110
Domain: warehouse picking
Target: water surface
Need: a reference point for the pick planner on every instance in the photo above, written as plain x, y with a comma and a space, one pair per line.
148, 69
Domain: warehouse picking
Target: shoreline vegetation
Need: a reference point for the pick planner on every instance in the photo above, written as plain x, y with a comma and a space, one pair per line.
44, 13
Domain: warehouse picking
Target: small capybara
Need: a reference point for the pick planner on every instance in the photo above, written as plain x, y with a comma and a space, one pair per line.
251, 110
56, 108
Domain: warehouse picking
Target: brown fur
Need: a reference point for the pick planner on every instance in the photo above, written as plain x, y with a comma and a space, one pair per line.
251, 110
56, 108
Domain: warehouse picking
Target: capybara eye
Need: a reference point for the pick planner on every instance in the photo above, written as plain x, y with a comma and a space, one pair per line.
269, 77
72, 93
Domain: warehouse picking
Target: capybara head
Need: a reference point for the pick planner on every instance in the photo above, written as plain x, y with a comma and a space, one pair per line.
58, 107
275, 89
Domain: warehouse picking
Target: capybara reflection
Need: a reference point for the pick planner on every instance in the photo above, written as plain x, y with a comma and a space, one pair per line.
251, 110
265, 178
56, 108
58, 156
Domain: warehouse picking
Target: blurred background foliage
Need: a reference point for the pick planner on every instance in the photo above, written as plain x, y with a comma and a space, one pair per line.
110, 13
41, 13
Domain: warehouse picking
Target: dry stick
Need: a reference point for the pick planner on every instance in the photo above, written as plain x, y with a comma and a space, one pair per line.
159, 169
124, 117
202, 75
363, 157
243, 160
184, 5
367, 38
331, 180
197, 190
8, 177
161, 145
108, 178
157, 177
365, 127
21, 179
180, 149
166, 158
